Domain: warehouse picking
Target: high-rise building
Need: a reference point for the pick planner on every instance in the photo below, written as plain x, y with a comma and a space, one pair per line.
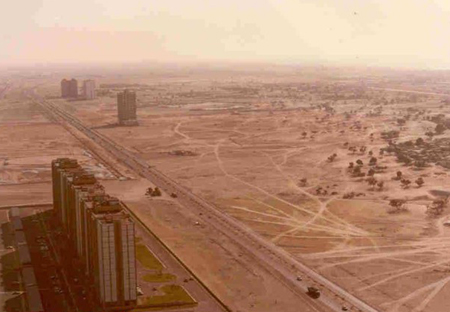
89, 89
73, 88
67, 200
65, 88
69, 88
126, 108
85, 227
112, 259
101, 232
59, 166
79, 185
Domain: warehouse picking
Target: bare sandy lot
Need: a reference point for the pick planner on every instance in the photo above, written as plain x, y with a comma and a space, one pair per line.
274, 153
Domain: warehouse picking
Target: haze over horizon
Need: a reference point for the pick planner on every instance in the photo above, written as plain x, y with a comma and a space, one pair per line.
411, 34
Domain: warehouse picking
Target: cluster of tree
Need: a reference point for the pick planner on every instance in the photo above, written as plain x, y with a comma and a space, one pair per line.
372, 181
397, 206
406, 153
440, 128
352, 195
331, 158
389, 135
321, 191
436, 208
353, 149
356, 170
406, 182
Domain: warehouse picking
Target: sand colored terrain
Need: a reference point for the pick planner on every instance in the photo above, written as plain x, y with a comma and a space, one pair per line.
245, 144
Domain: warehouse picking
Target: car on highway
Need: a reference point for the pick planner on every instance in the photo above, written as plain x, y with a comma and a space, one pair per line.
313, 292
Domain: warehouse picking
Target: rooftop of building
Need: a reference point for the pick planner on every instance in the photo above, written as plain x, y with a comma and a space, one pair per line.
107, 204
65, 163
14, 212
111, 217
84, 178
72, 171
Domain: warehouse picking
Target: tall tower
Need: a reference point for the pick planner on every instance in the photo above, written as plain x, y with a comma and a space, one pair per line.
112, 256
100, 230
89, 89
65, 88
126, 108
59, 168
73, 89
78, 188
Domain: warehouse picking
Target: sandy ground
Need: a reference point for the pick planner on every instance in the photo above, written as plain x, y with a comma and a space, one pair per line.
248, 154
250, 163
225, 270
30, 142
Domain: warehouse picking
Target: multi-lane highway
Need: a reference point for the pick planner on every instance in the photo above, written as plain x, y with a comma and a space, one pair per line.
296, 276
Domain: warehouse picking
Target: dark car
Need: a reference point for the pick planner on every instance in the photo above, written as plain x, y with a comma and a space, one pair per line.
313, 292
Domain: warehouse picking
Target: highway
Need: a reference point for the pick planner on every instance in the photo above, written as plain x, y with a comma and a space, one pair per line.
275, 260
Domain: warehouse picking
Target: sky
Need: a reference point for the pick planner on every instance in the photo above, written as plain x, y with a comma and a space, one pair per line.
385, 33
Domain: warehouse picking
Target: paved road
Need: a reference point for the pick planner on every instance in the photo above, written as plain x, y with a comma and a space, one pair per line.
275, 260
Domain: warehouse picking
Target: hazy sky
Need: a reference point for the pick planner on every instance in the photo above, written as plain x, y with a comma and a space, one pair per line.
406, 33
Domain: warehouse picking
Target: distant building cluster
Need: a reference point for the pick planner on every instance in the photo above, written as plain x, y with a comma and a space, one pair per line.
100, 230
126, 108
69, 89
